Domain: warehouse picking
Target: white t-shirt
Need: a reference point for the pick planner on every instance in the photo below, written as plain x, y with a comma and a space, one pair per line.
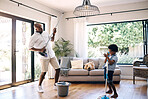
39, 41
113, 66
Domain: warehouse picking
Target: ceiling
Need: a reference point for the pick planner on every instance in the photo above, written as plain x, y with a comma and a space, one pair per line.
69, 5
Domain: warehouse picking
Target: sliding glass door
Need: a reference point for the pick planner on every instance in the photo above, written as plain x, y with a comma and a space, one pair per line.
5, 50
17, 64
15, 58
23, 55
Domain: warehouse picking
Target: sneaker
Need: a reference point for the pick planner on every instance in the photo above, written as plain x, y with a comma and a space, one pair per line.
55, 87
40, 89
114, 96
109, 92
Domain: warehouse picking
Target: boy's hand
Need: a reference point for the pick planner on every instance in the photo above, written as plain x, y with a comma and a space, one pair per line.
105, 55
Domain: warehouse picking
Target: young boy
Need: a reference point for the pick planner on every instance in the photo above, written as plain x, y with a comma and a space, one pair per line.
112, 62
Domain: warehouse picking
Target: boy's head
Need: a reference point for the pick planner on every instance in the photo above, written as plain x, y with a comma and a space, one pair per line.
113, 48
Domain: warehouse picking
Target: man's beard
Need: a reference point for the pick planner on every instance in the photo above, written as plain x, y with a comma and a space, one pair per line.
40, 31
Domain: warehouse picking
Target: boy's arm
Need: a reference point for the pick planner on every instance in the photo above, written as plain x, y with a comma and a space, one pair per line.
110, 61
105, 60
105, 55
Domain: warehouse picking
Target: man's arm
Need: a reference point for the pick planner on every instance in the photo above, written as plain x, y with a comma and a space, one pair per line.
52, 38
40, 50
54, 32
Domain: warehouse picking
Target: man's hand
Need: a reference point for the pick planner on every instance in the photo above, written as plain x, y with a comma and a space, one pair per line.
43, 49
54, 31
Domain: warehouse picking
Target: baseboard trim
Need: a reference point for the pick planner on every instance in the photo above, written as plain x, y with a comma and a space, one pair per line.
131, 78
91, 82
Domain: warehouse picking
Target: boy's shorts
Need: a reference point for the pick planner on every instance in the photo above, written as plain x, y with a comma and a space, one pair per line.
110, 75
45, 63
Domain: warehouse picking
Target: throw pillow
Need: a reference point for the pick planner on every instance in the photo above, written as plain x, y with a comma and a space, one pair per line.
85, 60
77, 64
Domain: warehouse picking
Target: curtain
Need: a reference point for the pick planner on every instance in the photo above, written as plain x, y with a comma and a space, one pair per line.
80, 37
52, 23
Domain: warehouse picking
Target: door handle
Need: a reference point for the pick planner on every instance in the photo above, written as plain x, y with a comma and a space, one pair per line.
16, 51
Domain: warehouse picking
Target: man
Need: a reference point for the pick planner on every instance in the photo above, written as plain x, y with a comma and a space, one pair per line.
38, 43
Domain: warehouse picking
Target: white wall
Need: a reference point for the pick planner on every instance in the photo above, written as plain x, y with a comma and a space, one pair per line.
68, 25
21, 11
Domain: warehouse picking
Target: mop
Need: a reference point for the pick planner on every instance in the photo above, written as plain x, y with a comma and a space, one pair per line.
44, 52
105, 96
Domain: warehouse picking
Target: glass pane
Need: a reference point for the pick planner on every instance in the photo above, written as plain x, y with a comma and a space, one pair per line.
5, 50
23, 55
37, 66
127, 36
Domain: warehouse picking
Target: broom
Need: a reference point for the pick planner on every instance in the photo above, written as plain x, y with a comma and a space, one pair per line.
105, 96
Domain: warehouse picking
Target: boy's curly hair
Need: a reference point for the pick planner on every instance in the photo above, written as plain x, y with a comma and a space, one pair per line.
113, 47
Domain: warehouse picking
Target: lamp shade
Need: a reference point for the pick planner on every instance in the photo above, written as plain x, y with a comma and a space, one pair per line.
86, 9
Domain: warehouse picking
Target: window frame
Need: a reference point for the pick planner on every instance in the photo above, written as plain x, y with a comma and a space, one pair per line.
145, 34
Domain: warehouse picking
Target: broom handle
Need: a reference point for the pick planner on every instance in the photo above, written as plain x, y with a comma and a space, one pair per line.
59, 20
106, 76
54, 27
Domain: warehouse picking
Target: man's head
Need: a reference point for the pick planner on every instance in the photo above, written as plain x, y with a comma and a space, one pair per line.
38, 27
113, 48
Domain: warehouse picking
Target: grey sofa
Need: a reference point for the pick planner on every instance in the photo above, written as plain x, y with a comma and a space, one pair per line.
82, 75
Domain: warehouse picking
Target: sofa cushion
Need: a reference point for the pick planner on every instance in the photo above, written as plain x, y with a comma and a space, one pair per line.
96, 72
85, 60
65, 62
117, 67
96, 62
86, 78
80, 72
117, 72
101, 62
100, 72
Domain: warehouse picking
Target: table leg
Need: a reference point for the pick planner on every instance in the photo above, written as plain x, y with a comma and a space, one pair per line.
147, 87
133, 79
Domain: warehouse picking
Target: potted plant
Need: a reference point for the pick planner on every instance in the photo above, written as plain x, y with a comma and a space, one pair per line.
62, 48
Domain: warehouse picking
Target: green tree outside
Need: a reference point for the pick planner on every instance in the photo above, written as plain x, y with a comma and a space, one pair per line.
123, 34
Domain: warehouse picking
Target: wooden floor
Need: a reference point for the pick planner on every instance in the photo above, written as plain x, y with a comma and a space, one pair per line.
125, 89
